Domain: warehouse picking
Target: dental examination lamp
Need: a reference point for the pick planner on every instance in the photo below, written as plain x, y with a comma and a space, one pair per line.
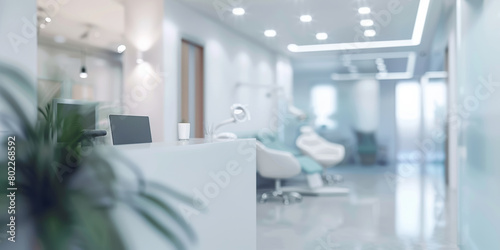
297, 113
239, 114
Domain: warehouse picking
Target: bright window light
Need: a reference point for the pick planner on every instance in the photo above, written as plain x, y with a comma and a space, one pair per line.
415, 40
408, 101
364, 10
321, 36
366, 22
239, 11
324, 103
305, 18
434, 102
370, 33
270, 33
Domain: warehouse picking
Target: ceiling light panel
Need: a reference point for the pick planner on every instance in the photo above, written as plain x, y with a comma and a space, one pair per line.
270, 33
364, 10
379, 59
305, 18
370, 33
366, 22
415, 40
239, 11
321, 36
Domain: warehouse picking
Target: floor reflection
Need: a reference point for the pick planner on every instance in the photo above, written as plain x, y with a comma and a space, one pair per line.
388, 208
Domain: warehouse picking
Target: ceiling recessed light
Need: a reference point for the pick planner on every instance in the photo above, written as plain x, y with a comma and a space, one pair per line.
48, 19
121, 48
306, 18
239, 11
416, 37
292, 47
366, 22
370, 33
321, 36
42, 26
270, 33
364, 10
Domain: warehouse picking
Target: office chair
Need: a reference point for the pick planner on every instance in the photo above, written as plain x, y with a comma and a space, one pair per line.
326, 153
277, 165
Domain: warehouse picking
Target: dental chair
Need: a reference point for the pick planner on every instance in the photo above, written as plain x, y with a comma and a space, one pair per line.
327, 154
310, 167
277, 165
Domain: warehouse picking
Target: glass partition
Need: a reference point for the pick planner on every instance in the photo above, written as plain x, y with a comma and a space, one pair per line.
476, 117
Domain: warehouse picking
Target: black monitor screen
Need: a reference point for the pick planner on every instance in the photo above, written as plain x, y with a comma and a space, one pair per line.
75, 118
85, 115
127, 129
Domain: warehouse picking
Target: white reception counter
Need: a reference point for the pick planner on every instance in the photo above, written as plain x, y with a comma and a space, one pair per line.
219, 176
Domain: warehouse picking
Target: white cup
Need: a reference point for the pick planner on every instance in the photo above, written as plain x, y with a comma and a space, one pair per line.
183, 131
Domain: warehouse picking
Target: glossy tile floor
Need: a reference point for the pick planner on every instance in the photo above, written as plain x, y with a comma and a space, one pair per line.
403, 207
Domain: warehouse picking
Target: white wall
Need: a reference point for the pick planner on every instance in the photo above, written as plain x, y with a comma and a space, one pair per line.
144, 84
452, 135
284, 76
230, 58
18, 36
366, 94
18, 44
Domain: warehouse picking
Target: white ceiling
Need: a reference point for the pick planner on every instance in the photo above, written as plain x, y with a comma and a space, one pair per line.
339, 18
103, 20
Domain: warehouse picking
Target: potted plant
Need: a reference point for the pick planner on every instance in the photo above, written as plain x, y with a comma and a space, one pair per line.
67, 192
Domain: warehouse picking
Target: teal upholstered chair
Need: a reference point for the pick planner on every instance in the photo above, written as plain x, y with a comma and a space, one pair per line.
309, 166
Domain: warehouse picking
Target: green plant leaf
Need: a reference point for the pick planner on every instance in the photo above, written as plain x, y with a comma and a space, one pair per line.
168, 209
152, 221
95, 225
